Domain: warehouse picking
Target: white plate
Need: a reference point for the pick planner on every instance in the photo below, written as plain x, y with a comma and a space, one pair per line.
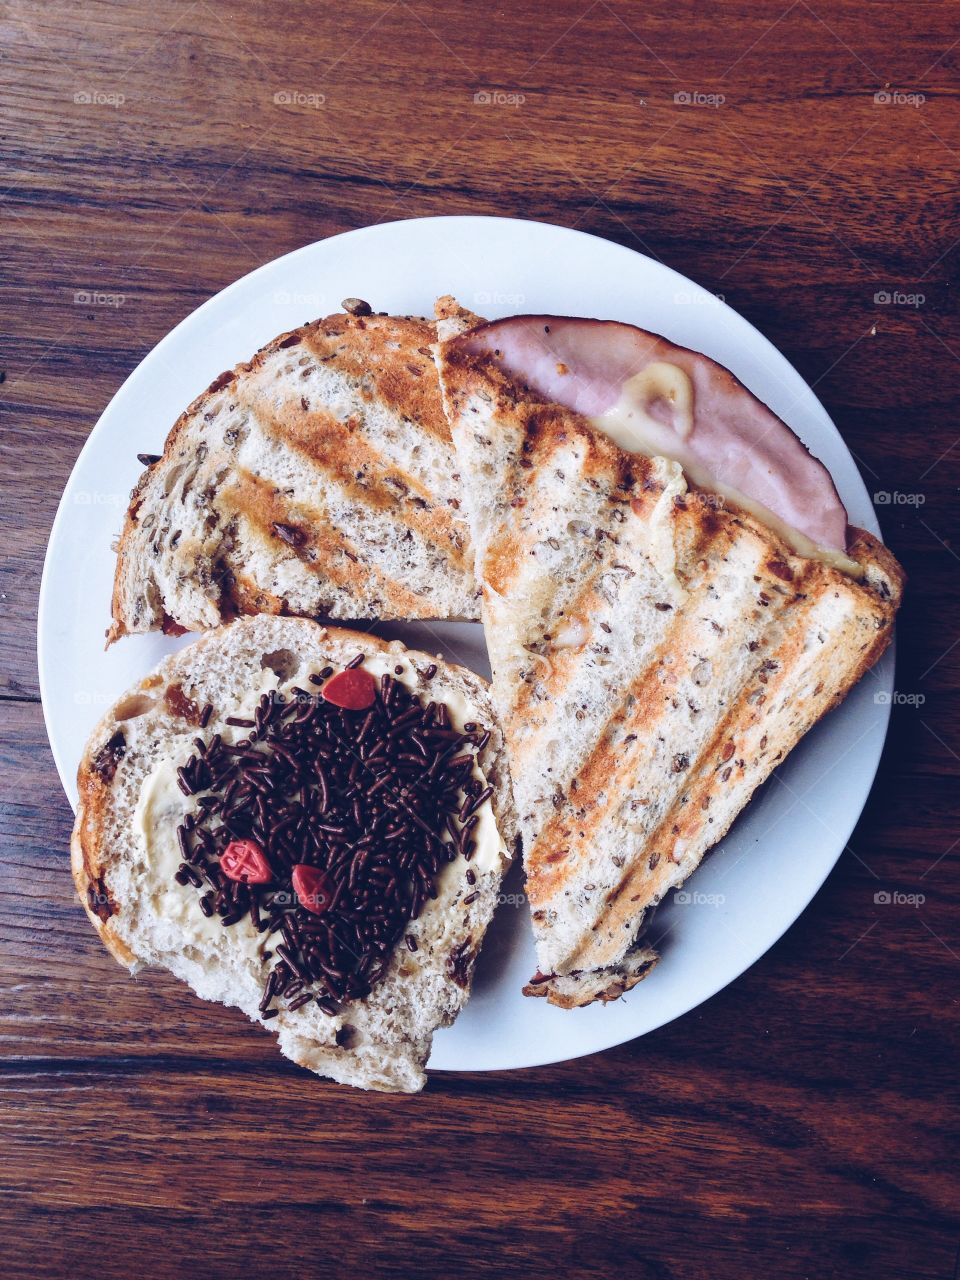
752, 888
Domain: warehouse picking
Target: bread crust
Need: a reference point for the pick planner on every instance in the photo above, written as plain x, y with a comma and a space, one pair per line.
580, 988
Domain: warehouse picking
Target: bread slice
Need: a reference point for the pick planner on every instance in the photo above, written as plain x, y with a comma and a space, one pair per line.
582, 987
145, 917
655, 655
316, 479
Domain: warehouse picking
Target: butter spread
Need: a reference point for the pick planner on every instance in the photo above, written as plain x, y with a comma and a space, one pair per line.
162, 806
160, 809
631, 425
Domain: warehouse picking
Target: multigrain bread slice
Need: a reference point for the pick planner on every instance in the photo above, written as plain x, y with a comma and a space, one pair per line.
126, 879
582, 987
655, 655
317, 479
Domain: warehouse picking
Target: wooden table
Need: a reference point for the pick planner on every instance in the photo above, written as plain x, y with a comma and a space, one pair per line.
797, 158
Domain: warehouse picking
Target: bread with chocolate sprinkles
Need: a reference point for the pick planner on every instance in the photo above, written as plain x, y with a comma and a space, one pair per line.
307, 823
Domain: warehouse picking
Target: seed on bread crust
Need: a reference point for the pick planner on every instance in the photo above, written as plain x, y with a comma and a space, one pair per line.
222, 380
289, 533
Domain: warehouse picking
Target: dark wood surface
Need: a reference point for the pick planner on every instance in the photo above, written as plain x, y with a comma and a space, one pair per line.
803, 1122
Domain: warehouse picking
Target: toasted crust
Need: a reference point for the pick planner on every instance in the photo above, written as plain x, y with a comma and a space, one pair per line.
655, 654
578, 989
114, 873
87, 868
335, 432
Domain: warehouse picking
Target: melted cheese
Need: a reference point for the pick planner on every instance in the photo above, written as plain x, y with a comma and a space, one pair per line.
630, 424
660, 542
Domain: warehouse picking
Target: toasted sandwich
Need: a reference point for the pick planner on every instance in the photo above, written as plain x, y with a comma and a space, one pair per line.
317, 479
672, 598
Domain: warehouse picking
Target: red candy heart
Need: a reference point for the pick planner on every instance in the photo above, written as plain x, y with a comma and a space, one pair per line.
312, 888
353, 689
244, 860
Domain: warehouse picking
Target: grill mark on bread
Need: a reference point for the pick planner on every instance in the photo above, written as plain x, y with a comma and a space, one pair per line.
244, 596
589, 608
339, 451
403, 378
736, 750
738, 753
698, 776
386, 359
536, 454
340, 563
598, 774
689, 635
563, 661
723, 758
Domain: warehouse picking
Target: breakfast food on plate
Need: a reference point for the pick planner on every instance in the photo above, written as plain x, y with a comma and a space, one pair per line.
312, 824
671, 598
316, 479
307, 823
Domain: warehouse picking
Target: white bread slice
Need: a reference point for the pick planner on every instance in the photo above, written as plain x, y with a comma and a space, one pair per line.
380, 1042
316, 479
654, 656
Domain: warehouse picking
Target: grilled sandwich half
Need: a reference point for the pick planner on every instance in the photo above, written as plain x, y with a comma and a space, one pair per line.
658, 646
316, 479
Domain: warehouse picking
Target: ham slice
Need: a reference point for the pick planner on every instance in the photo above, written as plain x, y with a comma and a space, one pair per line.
656, 398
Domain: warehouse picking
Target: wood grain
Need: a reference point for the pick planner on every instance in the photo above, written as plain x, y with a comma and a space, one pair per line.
803, 1122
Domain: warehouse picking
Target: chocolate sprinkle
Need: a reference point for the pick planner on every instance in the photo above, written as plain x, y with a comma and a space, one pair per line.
109, 756
371, 798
